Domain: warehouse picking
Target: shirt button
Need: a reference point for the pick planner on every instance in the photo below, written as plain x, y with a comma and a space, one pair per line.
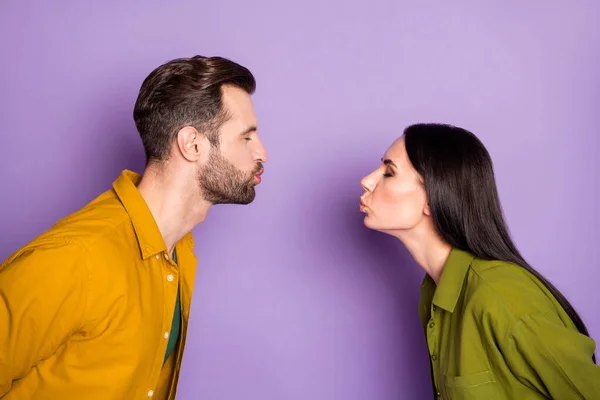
166, 256
170, 278
431, 325
433, 357
157, 257
150, 393
434, 308
166, 335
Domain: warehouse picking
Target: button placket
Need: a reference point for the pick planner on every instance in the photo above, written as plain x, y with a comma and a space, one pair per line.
165, 266
433, 343
170, 278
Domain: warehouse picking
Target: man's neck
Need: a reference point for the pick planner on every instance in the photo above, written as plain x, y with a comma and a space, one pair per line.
174, 207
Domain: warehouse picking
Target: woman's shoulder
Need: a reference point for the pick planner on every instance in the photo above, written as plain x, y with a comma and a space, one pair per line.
491, 271
507, 288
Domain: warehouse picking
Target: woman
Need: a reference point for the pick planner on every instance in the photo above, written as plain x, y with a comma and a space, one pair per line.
495, 328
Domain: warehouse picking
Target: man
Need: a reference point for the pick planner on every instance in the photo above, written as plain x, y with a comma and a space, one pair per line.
97, 307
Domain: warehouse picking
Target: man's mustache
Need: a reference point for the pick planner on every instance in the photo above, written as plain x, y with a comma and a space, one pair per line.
259, 167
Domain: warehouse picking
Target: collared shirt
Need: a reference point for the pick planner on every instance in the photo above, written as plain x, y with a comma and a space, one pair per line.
495, 332
86, 307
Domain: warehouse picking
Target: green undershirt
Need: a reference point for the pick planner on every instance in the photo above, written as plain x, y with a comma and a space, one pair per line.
176, 324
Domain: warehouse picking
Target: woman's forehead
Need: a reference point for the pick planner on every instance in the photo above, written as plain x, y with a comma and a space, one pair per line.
397, 151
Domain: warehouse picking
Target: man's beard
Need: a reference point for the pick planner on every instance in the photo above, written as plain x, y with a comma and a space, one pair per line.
223, 183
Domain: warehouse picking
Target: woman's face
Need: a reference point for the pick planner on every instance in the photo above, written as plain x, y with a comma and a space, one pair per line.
394, 198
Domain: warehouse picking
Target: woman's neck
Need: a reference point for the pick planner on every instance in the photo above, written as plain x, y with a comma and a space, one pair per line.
428, 249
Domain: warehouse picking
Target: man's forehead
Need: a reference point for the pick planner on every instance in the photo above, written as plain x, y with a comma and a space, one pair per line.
236, 96
239, 105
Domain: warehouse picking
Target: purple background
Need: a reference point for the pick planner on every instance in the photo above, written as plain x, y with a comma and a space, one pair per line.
294, 298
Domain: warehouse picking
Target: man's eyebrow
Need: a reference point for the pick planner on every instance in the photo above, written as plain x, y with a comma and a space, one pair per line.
251, 129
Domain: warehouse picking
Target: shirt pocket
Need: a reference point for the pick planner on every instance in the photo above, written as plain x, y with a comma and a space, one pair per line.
480, 386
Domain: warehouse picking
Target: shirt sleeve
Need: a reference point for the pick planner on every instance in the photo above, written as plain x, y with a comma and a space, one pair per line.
552, 358
43, 295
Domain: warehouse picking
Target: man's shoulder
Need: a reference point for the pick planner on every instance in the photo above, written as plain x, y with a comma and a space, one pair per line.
103, 218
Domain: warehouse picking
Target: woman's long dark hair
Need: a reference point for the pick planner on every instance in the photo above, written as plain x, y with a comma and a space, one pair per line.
463, 198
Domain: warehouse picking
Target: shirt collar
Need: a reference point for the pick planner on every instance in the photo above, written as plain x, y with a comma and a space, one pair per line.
148, 235
451, 281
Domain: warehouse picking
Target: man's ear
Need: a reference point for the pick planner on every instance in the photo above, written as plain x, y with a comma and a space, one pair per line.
191, 143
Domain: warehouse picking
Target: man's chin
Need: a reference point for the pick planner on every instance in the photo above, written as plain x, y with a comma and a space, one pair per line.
249, 199
241, 200
244, 202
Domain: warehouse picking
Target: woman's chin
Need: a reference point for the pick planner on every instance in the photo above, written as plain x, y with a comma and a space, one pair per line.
369, 223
